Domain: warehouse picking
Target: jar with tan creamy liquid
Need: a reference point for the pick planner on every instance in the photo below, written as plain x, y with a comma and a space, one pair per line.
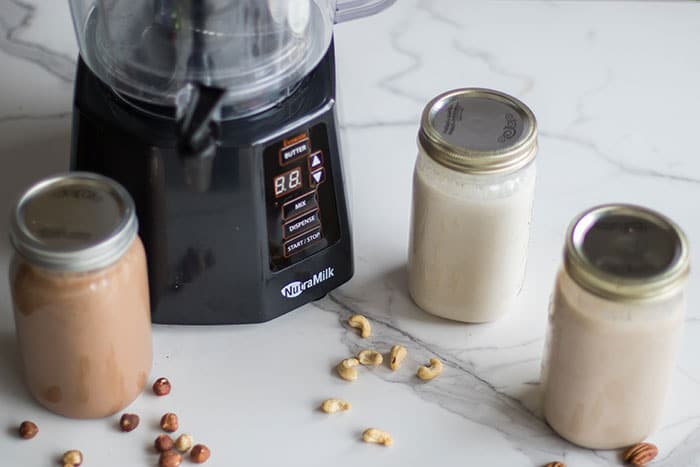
473, 190
614, 326
80, 294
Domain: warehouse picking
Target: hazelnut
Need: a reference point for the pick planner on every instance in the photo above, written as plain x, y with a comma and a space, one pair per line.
164, 443
161, 387
129, 422
169, 459
28, 430
73, 457
183, 443
200, 453
169, 422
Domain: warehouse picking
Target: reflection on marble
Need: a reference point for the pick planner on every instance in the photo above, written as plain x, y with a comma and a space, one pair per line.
614, 87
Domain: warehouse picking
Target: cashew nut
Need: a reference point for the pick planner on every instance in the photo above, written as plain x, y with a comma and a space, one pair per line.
335, 405
346, 369
426, 373
374, 435
398, 353
361, 323
370, 357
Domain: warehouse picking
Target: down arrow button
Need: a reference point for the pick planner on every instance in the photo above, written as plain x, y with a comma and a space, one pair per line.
318, 176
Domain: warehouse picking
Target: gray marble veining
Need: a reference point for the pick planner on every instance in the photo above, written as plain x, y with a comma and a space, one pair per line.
462, 391
15, 16
459, 389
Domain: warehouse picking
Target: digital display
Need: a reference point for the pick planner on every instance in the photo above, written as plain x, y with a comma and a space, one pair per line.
302, 214
287, 182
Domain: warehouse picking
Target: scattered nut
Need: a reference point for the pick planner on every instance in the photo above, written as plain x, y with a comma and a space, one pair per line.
73, 457
555, 464
346, 369
28, 430
335, 405
164, 443
161, 387
129, 422
640, 454
169, 459
169, 422
398, 353
361, 323
426, 373
200, 453
370, 357
373, 435
183, 443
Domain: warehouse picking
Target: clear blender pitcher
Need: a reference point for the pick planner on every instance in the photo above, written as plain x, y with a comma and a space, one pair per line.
256, 50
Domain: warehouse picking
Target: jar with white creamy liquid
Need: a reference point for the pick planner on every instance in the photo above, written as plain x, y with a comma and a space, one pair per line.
80, 294
473, 190
614, 326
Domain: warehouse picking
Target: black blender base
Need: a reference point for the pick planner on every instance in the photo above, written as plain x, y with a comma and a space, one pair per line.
252, 233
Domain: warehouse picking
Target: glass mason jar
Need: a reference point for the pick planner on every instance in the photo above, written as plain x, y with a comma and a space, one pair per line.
80, 293
473, 190
615, 323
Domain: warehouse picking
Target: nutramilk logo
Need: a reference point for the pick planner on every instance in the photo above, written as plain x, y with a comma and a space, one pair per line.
296, 288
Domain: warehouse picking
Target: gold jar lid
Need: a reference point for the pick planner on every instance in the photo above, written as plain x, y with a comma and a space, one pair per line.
625, 253
475, 130
78, 221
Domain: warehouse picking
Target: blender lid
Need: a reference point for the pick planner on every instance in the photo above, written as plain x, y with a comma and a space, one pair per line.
257, 50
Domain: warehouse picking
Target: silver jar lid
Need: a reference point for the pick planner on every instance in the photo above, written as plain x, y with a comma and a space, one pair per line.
476, 130
626, 253
73, 222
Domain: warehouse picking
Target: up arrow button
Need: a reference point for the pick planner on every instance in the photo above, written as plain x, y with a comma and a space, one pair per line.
315, 160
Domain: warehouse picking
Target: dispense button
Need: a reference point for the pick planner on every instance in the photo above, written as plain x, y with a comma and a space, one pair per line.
298, 205
302, 242
301, 224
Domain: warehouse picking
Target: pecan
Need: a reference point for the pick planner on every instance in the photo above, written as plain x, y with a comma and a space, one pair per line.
640, 454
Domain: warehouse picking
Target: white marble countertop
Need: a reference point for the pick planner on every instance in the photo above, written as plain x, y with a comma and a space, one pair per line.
615, 89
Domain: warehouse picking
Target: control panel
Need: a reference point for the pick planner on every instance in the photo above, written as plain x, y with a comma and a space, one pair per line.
302, 216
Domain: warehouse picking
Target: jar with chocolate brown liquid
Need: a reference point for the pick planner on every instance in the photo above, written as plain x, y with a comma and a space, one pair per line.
80, 293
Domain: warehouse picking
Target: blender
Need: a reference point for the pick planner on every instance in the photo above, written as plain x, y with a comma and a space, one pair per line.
219, 118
